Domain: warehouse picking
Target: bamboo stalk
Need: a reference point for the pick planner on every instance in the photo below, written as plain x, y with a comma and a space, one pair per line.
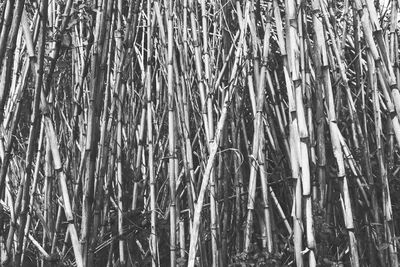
33, 135
6, 23
31, 199
199, 205
152, 182
92, 135
171, 137
258, 126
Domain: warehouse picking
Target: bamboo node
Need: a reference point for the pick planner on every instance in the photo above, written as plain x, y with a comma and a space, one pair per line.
196, 43
316, 12
393, 87
297, 83
264, 61
378, 61
293, 23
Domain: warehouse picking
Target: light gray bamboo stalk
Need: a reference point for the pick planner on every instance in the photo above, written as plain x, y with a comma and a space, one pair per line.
258, 127
152, 181
199, 205
120, 182
337, 150
5, 29
171, 135
32, 193
199, 69
294, 138
210, 162
265, 195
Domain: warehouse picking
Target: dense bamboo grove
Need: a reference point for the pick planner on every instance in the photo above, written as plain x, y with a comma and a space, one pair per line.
199, 133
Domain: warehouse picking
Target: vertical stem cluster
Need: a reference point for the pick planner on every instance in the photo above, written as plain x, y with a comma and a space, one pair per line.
199, 133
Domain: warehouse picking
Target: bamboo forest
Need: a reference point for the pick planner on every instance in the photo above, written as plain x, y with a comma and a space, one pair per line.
199, 133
